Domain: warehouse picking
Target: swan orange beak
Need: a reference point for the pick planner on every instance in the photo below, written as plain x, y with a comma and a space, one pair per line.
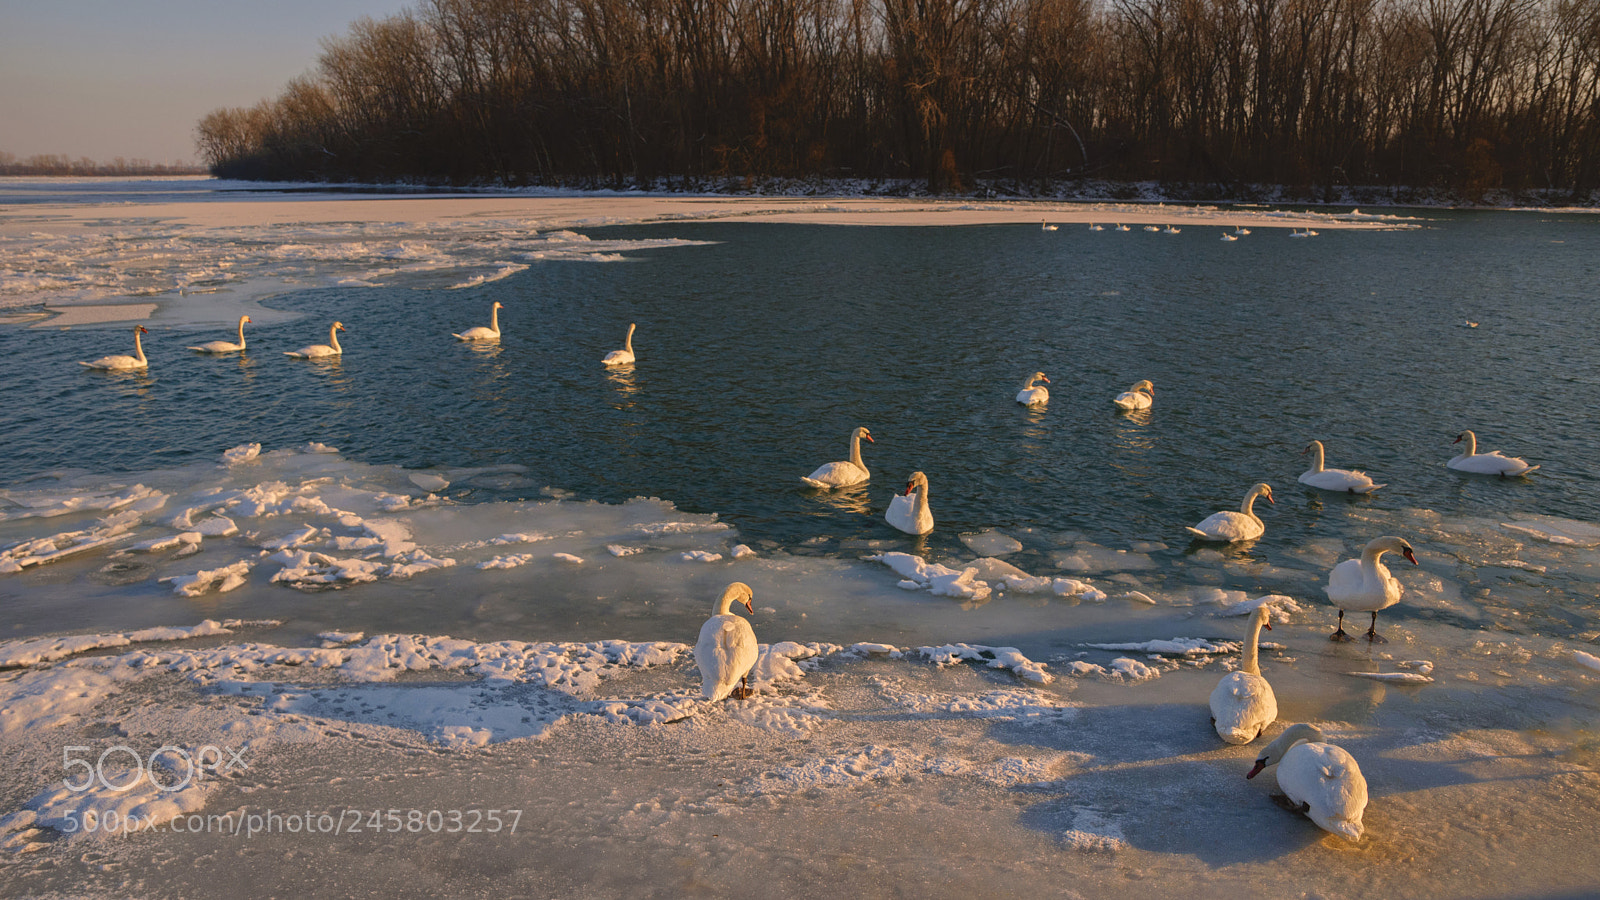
1457, 440
1267, 624
1409, 555
869, 438
749, 607
1256, 770
1044, 379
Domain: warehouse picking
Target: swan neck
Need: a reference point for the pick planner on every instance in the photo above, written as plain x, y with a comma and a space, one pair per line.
1471, 441
241, 334
1317, 460
921, 505
138, 346
628, 346
1248, 506
855, 450
725, 604
1251, 663
494, 319
333, 339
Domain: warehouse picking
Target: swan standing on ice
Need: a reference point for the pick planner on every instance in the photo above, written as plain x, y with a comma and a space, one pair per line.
1031, 395
1242, 705
317, 351
1334, 479
1491, 463
121, 362
911, 514
1365, 585
623, 357
1140, 396
480, 333
1320, 779
225, 346
1231, 526
846, 471
726, 650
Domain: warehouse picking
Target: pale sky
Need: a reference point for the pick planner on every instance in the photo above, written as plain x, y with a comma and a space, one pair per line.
130, 78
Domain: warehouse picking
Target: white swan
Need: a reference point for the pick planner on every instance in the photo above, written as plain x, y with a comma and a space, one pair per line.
727, 648
845, 472
122, 362
480, 333
1320, 779
1031, 395
1491, 463
1094, 227
1243, 703
1365, 585
1229, 237
1172, 229
911, 514
1294, 233
1046, 226
623, 357
317, 351
1334, 479
225, 346
1240, 230
1230, 526
1151, 228
1140, 396
1122, 227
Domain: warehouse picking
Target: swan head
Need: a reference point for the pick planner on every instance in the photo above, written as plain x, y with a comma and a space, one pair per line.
1314, 445
338, 326
1146, 387
1262, 614
916, 480
140, 329
1273, 752
1463, 436
739, 592
1264, 490
1391, 544
865, 435
243, 319
498, 305
1039, 376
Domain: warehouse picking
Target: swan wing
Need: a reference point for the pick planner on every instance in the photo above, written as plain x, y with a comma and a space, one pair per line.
836, 474
1242, 705
1229, 526
725, 652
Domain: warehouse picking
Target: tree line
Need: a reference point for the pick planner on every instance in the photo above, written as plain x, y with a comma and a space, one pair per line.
1463, 95
60, 164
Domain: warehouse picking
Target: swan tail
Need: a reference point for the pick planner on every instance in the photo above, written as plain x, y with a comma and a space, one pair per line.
1196, 532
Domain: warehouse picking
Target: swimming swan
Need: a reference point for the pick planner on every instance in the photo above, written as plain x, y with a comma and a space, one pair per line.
122, 362
1230, 526
1319, 778
480, 333
845, 472
1140, 396
727, 648
1334, 479
1243, 703
225, 346
1031, 395
911, 514
317, 351
1491, 463
1365, 585
623, 357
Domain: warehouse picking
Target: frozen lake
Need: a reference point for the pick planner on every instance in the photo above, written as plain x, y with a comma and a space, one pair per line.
1029, 726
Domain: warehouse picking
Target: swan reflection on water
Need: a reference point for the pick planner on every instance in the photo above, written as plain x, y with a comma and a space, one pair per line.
621, 378
855, 498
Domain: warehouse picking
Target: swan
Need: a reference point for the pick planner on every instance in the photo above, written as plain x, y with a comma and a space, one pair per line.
1140, 396
1240, 230
1031, 395
1229, 237
1151, 228
1046, 226
225, 346
1491, 463
121, 362
1173, 229
480, 333
1334, 479
1230, 526
1242, 705
846, 471
1094, 227
1471, 324
316, 351
726, 650
1320, 779
623, 357
1122, 227
1297, 234
1365, 585
911, 514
